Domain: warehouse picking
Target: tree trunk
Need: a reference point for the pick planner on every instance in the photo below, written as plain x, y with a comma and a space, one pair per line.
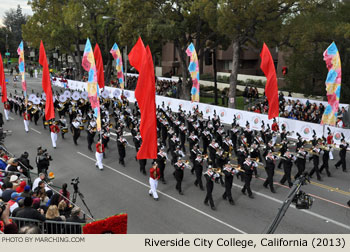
234, 74
184, 91
78, 64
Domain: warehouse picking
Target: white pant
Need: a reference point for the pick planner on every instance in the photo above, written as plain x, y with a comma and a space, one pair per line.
99, 157
26, 125
154, 184
331, 155
36, 73
53, 139
274, 139
6, 112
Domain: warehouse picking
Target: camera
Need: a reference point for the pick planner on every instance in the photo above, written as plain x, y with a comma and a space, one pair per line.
2, 207
303, 200
75, 181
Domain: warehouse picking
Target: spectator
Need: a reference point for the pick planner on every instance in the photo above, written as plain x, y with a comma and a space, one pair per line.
64, 209
6, 194
29, 212
53, 214
43, 197
64, 194
20, 206
75, 218
29, 229
9, 227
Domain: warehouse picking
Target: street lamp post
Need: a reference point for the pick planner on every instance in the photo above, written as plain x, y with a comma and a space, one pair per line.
7, 50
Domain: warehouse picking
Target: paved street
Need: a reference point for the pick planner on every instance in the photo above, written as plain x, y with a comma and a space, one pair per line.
119, 189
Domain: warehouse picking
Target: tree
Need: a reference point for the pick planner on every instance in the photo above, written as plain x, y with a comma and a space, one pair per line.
249, 22
307, 35
13, 21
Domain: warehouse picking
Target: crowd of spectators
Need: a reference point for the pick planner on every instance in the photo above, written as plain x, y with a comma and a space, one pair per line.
163, 87
36, 201
295, 109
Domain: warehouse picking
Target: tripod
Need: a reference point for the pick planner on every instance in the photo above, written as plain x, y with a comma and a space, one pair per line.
77, 192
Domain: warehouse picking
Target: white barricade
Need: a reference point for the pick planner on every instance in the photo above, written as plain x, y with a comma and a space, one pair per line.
305, 129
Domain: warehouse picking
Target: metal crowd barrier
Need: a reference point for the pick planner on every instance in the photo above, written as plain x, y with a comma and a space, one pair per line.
50, 227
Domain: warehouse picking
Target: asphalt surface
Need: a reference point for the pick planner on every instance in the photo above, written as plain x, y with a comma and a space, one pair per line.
119, 189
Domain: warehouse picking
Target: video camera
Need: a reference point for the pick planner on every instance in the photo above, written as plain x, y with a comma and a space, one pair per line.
303, 200
74, 183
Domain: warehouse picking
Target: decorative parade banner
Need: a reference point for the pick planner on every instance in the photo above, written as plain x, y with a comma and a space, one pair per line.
333, 84
88, 64
271, 90
118, 64
22, 69
193, 67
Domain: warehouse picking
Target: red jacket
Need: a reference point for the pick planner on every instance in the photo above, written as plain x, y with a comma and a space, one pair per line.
7, 106
54, 129
152, 171
330, 139
274, 127
26, 116
99, 149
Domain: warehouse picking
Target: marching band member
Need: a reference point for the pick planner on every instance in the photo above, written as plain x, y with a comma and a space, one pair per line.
193, 155
63, 125
75, 130
183, 132
161, 161
342, 154
330, 142
229, 171
176, 153
154, 176
91, 132
121, 142
234, 133
325, 159
26, 118
301, 161
248, 133
206, 137
54, 132
198, 168
179, 173
213, 147
270, 171
100, 149
287, 166
192, 140
7, 108
283, 150
210, 177
316, 151
248, 166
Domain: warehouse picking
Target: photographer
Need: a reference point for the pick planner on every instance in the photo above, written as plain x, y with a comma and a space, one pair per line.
9, 227
43, 161
24, 164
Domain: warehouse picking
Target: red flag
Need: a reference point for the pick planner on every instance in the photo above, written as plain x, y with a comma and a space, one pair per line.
99, 67
145, 94
2, 81
136, 54
46, 83
271, 89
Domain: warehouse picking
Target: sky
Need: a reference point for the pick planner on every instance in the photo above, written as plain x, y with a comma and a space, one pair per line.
5, 5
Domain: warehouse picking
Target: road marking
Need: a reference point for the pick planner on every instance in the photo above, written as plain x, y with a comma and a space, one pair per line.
305, 211
170, 197
11, 118
36, 131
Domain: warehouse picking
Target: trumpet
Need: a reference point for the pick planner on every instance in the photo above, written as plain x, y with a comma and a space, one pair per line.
218, 171
205, 156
